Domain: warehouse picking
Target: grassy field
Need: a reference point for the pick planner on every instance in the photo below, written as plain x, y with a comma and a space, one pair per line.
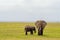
15, 31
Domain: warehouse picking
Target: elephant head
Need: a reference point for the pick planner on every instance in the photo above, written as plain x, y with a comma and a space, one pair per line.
40, 23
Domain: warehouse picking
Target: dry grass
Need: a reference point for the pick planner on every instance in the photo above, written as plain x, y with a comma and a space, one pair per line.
15, 31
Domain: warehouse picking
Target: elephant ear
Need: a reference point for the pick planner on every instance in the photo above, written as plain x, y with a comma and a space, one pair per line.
38, 23
44, 23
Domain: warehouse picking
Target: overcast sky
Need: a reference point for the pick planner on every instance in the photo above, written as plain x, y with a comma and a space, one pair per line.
30, 10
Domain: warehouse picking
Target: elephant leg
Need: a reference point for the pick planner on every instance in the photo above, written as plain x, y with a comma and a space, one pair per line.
31, 32
40, 31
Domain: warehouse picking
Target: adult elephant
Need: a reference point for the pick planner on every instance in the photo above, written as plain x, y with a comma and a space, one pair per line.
30, 29
40, 24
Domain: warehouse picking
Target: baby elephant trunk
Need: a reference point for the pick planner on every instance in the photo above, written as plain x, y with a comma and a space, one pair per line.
34, 29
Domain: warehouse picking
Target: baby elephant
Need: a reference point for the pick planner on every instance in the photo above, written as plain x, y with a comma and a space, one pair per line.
29, 29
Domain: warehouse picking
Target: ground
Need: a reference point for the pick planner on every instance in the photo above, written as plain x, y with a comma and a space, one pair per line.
15, 31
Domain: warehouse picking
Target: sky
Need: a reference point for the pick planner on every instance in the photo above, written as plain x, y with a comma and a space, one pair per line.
29, 10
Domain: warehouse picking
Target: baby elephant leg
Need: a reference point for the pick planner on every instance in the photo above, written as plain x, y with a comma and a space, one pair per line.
31, 32
26, 33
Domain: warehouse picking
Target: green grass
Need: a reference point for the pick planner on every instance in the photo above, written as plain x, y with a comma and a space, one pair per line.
15, 31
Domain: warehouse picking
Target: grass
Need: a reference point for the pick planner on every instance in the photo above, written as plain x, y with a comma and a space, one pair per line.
15, 31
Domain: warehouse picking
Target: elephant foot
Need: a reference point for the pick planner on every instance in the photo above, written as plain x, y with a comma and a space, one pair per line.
40, 33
